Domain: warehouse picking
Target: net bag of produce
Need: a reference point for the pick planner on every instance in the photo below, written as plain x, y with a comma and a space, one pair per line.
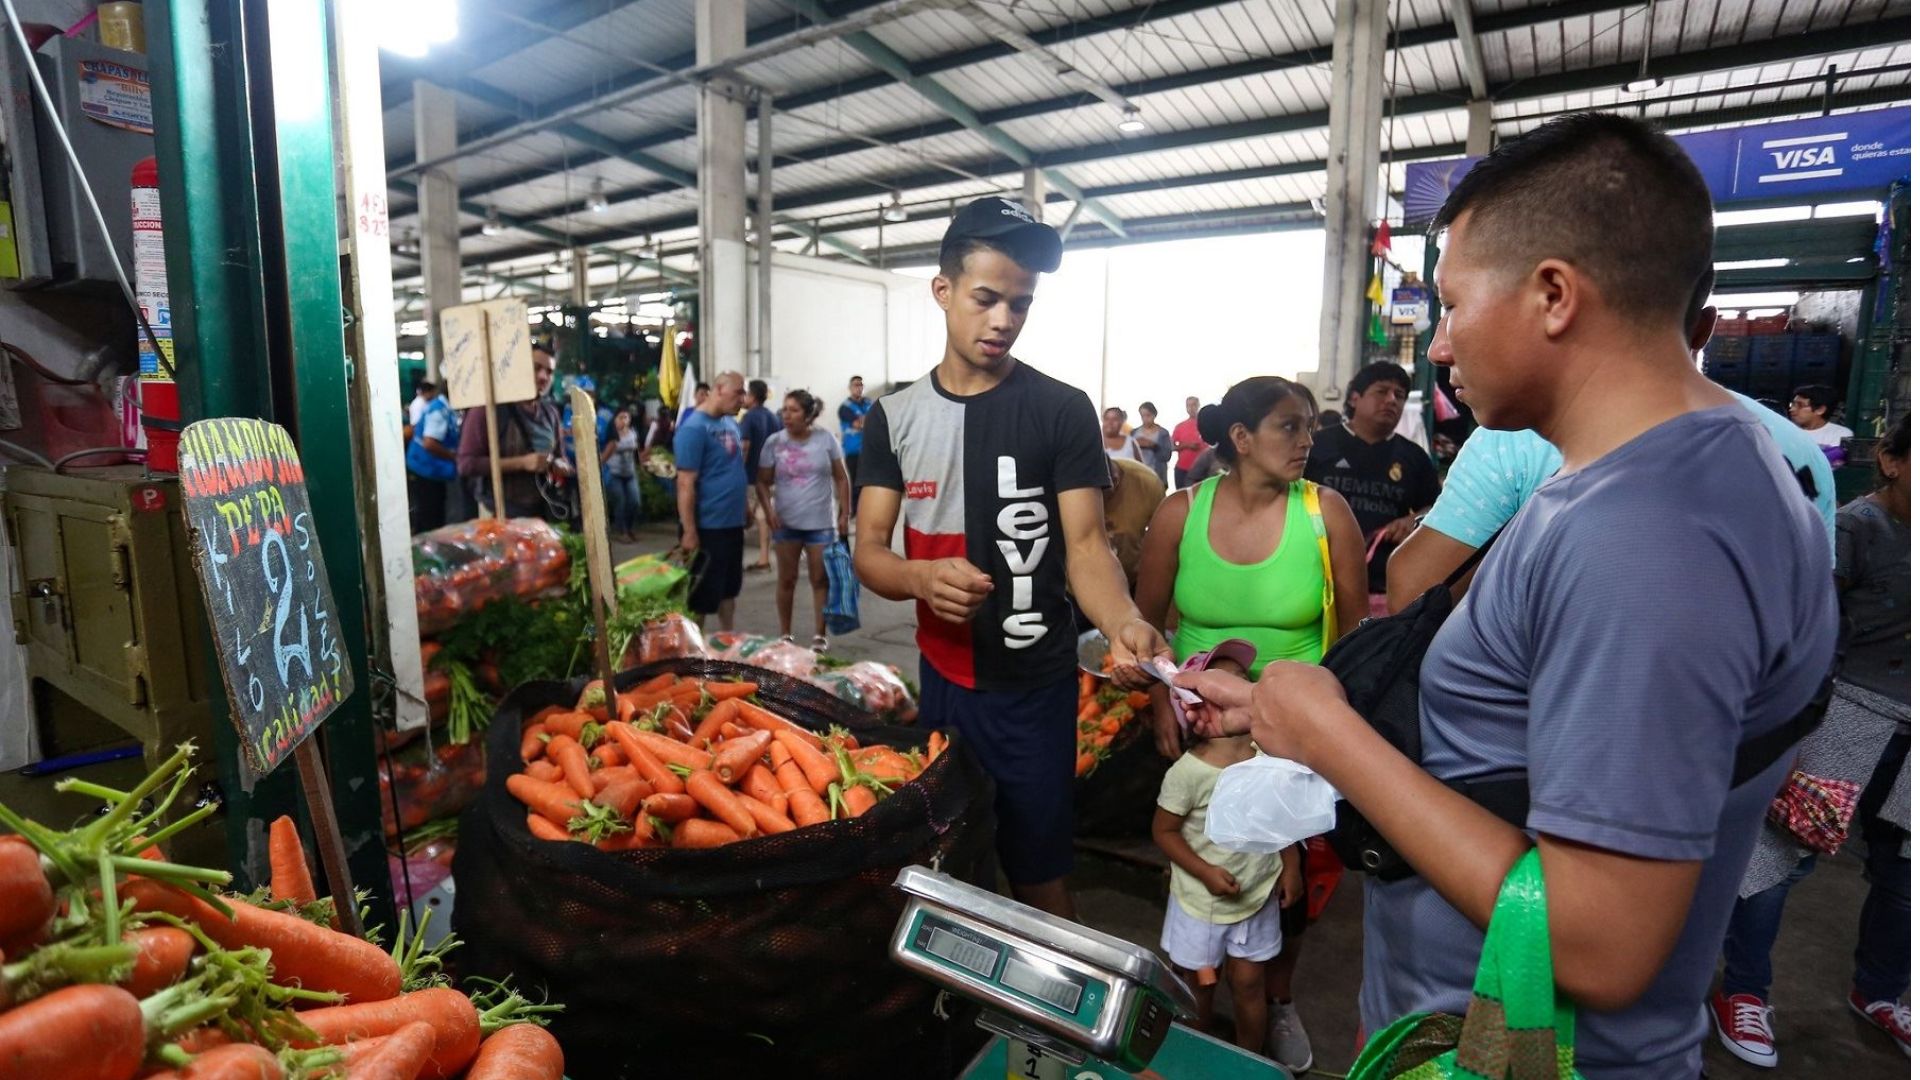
765, 957
459, 568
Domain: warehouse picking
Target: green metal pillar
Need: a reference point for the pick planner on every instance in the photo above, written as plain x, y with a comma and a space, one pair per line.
244, 134
302, 102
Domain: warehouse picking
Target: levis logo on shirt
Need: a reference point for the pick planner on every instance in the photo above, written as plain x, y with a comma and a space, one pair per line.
1018, 522
923, 489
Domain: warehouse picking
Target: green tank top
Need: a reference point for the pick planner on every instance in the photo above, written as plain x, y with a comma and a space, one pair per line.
1274, 603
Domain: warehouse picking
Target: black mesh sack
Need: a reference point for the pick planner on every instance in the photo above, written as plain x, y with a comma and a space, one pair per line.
767, 956
1116, 800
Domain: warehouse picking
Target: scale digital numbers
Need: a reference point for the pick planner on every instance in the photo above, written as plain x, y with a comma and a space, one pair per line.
1060, 991
953, 948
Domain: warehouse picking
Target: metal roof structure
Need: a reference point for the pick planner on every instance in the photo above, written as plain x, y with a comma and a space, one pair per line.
939, 101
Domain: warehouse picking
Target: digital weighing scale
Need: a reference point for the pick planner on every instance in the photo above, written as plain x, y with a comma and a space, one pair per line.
1051, 986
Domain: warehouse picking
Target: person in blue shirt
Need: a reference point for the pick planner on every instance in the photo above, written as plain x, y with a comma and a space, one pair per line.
1663, 599
853, 421
712, 495
432, 462
1495, 472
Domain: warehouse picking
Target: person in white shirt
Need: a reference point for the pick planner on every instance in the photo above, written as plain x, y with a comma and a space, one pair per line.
423, 392
1812, 409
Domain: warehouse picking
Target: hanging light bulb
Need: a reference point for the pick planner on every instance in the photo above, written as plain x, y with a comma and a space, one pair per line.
597, 198
650, 250
491, 226
1130, 121
559, 263
893, 212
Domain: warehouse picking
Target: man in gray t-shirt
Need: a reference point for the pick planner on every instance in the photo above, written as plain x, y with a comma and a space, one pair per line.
1617, 650
1660, 601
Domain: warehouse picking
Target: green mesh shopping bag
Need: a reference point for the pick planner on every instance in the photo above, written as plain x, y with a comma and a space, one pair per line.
1517, 1026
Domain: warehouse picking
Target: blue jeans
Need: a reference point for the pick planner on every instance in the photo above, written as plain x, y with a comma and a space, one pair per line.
1750, 935
624, 511
1882, 957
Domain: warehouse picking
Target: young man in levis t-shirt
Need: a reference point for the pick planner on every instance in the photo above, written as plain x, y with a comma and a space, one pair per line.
1001, 472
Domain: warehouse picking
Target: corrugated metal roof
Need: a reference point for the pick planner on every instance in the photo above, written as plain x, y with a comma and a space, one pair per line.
1119, 42
603, 48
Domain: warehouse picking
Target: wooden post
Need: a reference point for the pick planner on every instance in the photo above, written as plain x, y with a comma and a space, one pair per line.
593, 525
326, 833
493, 429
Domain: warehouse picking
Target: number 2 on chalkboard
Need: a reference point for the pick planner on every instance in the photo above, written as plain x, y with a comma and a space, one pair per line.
282, 584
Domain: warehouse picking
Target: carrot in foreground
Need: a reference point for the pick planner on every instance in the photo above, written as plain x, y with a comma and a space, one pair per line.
454, 1021
306, 955
292, 878
518, 1052
404, 1055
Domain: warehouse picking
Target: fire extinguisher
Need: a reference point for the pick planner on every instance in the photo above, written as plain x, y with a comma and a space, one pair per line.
159, 398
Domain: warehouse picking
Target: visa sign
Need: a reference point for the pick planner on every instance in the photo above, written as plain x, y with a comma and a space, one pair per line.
1802, 159
1853, 153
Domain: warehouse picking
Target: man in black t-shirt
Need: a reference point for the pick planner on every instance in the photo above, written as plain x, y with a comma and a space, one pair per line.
1387, 478
1000, 471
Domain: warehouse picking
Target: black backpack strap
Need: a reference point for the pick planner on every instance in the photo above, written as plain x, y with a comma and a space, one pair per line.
1473, 560
1804, 477
1759, 753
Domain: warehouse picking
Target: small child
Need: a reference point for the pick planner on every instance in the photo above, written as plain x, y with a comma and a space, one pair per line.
1223, 906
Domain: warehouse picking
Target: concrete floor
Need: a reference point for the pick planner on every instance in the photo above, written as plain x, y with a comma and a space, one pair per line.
1121, 889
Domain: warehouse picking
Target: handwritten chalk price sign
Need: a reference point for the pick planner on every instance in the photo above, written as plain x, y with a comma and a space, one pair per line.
274, 624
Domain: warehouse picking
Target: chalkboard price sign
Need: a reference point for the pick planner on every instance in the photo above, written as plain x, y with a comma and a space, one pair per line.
274, 625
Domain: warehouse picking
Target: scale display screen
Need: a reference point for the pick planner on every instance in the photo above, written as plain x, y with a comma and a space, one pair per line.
1057, 988
975, 957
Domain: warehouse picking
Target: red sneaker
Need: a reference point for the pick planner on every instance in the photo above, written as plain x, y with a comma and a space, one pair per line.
1745, 1026
1889, 1016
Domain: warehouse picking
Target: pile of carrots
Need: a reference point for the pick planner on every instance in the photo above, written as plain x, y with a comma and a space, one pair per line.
1105, 711
120, 964
694, 763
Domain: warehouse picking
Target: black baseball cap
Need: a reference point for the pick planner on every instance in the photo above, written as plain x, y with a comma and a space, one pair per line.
1007, 224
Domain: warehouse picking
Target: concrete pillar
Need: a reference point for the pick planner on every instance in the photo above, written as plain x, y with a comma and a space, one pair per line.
434, 135
577, 273
763, 229
1353, 181
720, 31
1033, 192
1479, 127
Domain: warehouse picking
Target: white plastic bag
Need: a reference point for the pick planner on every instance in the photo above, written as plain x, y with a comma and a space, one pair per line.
1264, 804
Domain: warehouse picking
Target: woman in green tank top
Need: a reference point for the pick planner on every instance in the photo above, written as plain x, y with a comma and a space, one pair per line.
1240, 556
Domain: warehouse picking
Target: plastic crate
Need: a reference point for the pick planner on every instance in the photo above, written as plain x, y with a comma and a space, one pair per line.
1726, 361
1770, 363
1816, 359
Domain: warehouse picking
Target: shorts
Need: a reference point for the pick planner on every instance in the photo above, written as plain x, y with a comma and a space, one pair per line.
804, 536
1193, 943
1025, 740
717, 569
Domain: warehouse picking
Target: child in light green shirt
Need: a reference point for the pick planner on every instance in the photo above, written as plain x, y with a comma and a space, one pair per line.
1224, 907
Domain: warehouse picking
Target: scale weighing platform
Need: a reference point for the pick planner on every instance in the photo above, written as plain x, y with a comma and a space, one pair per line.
1067, 1001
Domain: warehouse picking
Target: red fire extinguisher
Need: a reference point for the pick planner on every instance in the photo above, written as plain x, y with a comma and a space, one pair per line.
159, 396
